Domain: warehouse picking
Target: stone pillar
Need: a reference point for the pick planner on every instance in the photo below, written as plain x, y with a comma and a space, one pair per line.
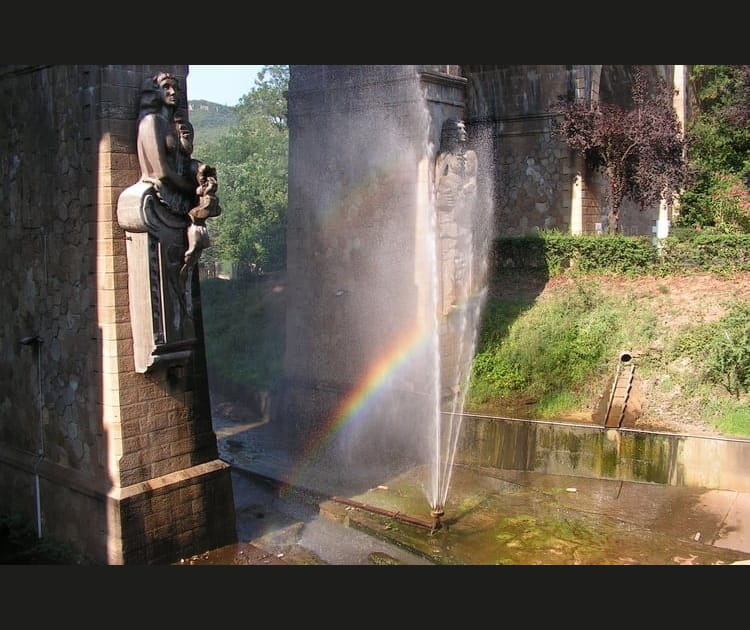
121, 464
171, 495
360, 296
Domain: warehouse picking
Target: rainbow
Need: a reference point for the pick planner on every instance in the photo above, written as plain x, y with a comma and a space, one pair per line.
373, 380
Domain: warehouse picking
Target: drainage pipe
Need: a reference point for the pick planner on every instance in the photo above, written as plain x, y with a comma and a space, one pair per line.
431, 525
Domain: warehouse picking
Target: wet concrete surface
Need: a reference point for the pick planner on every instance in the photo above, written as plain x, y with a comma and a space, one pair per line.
290, 516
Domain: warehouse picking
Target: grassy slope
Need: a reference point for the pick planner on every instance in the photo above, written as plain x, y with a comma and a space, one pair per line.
564, 335
244, 325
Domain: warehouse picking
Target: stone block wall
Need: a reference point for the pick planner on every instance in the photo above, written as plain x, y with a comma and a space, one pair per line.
50, 430
559, 448
535, 172
76, 421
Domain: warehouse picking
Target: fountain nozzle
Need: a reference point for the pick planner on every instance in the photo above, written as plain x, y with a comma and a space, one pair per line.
436, 514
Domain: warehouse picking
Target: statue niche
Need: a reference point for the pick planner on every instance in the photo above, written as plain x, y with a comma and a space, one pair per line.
164, 217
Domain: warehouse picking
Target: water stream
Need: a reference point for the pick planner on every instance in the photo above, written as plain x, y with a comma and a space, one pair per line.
460, 213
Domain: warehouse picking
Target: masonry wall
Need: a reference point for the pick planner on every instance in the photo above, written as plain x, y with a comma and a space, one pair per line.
534, 170
76, 421
51, 396
352, 220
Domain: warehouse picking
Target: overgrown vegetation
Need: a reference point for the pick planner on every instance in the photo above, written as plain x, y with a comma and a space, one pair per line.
718, 140
683, 251
551, 355
19, 544
549, 359
552, 352
720, 350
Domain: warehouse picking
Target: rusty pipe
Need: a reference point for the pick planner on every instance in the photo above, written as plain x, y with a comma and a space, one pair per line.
431, 525
437, 514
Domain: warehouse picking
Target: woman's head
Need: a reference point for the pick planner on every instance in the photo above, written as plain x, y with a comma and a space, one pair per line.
157, 90
453, 134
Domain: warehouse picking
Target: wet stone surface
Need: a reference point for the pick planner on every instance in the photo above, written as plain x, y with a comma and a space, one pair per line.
514, 518
492, 517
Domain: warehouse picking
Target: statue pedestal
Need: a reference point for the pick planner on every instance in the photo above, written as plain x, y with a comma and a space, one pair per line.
160, 300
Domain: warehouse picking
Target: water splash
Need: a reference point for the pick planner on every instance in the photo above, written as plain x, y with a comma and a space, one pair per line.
364, 269
460, 288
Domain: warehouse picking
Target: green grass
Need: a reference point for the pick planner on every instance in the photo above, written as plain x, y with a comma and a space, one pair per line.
555, 404
719, 353
733, 418
549, 351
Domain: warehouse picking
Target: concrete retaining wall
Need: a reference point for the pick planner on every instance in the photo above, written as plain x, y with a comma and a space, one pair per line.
593, 451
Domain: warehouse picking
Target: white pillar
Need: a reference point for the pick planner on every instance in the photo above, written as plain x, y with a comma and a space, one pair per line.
576, 206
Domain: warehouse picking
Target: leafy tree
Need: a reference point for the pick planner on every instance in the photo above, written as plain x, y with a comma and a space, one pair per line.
718, 138
251, 160
640, 150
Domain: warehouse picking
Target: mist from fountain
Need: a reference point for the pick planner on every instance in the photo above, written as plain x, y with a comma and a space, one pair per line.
365, 275
457, 330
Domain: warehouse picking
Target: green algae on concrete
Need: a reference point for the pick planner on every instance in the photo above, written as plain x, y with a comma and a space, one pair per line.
490, 520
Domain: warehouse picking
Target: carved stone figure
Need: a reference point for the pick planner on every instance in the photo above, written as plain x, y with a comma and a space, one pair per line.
455, 199
208, 206
164, 217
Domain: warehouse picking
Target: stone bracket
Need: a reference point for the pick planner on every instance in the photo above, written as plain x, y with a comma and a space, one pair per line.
160, 298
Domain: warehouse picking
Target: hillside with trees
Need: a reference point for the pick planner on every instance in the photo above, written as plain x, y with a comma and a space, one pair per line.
251, 159
211, 119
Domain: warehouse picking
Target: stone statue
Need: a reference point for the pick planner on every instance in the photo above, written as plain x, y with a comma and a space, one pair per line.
164, 215
208, 206
165, 144
182, 183
455, 199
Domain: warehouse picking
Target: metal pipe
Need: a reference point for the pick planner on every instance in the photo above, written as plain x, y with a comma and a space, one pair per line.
36, 341
431, 525
40, 453
437, 515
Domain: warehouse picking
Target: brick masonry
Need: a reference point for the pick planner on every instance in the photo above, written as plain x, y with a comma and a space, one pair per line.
127, 464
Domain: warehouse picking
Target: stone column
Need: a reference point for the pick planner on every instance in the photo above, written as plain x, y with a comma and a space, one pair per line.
360, 242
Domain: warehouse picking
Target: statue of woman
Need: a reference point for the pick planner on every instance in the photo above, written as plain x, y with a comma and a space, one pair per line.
164, 216
455, 200
185, 186
165, 144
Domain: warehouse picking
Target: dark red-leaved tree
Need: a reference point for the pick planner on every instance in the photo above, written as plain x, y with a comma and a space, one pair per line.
640, 150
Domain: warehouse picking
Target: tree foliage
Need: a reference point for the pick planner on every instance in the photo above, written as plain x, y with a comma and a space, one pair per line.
251, 160
718, 139
640, 150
